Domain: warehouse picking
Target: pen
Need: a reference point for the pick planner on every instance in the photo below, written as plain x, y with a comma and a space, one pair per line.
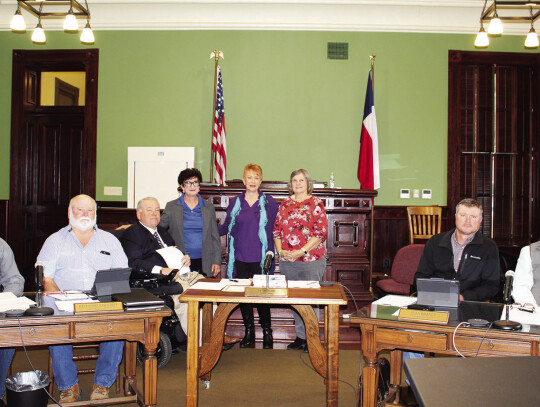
104, 252
234, 281
526, 310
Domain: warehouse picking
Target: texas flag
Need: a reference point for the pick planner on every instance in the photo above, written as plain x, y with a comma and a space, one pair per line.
368, 160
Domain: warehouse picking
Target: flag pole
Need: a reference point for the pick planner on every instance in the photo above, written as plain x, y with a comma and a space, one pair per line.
216, 54
372, 60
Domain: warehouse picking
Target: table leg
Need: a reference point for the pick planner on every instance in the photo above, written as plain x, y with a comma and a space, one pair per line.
192, 368
396, 364
130, 368
151, 342
370, 372
332, 348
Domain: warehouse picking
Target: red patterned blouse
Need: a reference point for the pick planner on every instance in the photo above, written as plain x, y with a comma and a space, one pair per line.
297, 222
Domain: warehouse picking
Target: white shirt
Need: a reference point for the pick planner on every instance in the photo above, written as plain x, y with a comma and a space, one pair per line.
524, 279
155, 269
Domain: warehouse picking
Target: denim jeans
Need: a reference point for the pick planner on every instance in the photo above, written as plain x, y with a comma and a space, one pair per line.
411, 355
65, 370
6, 355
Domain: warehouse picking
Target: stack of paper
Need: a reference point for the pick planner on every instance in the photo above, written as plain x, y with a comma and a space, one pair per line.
10, 301
274, 281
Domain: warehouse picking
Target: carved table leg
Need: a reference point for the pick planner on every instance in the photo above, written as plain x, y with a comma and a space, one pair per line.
192, 369
130, 368
150, 361
396, 362
370, 371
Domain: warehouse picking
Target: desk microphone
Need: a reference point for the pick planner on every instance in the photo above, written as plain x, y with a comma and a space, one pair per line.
39, 310
507, 325
268, 261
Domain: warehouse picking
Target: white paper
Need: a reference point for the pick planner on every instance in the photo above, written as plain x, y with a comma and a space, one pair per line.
205, 285
173, 257
523, 317
274, 281
10, 301
304, 284
395, 300
237, 281
68, 295
235, 288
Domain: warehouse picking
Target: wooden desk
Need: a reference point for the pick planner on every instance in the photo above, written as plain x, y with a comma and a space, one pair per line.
382, 331
325, 358
132, 326
475, 382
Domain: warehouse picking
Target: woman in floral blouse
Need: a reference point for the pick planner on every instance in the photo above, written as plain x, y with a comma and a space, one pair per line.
299, 234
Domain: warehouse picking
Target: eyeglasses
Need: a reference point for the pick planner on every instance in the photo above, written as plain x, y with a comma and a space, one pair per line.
191, 183
528, 307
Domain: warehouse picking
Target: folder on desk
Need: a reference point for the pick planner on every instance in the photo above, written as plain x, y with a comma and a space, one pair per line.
138, 298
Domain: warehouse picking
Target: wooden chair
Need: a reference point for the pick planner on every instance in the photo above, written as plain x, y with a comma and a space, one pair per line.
80, 353
424, 222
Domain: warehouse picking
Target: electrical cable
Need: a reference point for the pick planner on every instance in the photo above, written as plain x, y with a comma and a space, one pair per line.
32, 366
466, 324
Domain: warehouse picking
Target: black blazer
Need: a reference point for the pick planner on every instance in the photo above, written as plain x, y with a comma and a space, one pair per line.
140, 247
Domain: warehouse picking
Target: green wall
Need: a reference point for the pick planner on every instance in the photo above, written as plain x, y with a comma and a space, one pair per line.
287, 106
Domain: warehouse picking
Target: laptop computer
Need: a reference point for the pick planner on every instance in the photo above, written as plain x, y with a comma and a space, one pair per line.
138, 298
111, 281
437, 292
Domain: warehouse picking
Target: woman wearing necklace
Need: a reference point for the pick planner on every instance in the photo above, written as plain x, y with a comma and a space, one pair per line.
299, 233
249, 224
191, 221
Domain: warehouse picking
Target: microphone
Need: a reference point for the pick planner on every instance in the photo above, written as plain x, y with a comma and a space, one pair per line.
507, 296
268, 261
507, 324
39, 310
39, 277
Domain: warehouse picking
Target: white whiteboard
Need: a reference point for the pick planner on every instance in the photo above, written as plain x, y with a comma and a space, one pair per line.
153, 171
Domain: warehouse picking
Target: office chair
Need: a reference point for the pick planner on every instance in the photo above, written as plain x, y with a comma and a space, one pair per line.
402, 272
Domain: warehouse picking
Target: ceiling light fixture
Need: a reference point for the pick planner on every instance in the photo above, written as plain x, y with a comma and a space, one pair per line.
68, 10
500, 11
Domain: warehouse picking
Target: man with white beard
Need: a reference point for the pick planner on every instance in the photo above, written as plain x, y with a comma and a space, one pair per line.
71, 258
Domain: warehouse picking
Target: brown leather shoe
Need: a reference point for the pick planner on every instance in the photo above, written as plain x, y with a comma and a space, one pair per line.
70, 395
99, 393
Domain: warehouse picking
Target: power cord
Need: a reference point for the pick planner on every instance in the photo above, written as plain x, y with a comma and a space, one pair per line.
328, 283
32, 366
466, 324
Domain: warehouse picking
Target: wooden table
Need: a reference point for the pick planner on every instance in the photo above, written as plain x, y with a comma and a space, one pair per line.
133, 326
201, 360
382, 331
475, 382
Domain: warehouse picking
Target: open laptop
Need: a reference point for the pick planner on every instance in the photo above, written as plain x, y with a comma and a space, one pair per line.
437, 292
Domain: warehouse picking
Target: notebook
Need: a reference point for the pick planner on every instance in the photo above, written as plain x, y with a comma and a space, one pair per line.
437, 292
138, 298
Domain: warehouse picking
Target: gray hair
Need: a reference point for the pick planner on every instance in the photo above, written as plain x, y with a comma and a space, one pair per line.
148, 198
470, 203
306, 174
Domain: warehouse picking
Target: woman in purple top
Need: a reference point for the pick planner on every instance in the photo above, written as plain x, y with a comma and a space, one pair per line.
249, 223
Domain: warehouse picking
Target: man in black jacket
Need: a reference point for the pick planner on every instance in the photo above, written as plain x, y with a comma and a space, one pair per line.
464, 254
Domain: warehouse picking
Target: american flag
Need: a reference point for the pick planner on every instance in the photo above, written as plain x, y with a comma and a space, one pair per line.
219, 145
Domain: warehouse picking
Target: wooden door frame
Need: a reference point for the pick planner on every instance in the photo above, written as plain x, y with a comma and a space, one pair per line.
455, 58
54, 60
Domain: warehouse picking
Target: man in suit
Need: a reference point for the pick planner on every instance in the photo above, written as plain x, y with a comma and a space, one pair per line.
141, 242
11, 281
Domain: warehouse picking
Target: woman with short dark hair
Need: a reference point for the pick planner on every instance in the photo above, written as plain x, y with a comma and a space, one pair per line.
191, 221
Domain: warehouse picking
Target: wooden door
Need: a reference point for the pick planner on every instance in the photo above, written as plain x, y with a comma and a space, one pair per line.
52, 151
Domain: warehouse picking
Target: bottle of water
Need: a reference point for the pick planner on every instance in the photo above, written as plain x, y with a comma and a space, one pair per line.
331, 182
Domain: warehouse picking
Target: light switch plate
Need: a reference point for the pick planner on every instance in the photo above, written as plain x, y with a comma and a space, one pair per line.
116, 191
405, 193
416, 193
426, 194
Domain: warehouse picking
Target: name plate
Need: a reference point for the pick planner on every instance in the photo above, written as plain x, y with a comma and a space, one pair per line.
98, 306
434, 317
266, 292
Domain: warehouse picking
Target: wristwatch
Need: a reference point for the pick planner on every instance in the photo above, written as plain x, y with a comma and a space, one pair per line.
304, 250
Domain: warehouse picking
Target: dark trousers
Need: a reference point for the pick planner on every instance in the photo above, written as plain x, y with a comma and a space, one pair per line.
248, 270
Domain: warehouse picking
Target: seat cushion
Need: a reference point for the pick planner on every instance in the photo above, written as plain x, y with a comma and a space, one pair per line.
391, 286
